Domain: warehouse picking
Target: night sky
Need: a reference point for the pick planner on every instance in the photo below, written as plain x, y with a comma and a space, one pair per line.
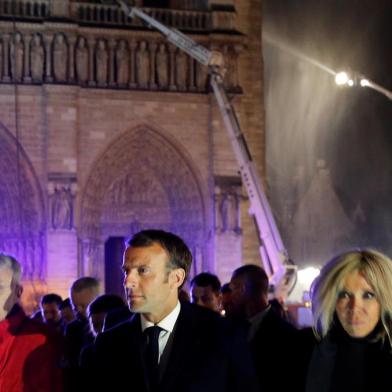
312, 123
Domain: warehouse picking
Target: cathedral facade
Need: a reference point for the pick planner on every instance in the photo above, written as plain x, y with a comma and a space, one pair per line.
107, 129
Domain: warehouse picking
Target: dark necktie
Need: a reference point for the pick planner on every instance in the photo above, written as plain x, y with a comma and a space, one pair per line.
152, 355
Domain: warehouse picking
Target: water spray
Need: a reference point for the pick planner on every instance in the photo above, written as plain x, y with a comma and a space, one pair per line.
343, 78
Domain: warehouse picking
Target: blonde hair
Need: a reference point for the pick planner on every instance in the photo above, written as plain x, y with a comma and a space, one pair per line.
11, 263
377, 269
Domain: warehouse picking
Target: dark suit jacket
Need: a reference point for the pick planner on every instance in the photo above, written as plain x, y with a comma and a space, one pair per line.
77, 335
206, 355
274, 348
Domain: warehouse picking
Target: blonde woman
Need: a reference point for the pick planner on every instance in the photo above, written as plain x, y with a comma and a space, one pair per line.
352, 308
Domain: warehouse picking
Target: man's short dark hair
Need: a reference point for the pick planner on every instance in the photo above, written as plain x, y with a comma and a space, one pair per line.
51, 298
225, 288
65, 304
105, 303
255, 279
178, 252
205, 279
86, 282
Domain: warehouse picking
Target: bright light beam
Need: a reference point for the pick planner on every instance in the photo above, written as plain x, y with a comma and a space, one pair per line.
357, 79
341, 78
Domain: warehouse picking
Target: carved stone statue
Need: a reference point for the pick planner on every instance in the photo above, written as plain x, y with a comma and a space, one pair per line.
122, 63
224, 211
62, 209
1, 59
82, 61
201, 76
37, 55
181, 70
229, 212
102, 58
60, 58
142, 65
17, 50
162, 67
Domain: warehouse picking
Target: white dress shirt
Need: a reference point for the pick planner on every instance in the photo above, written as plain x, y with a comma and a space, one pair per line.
167, 324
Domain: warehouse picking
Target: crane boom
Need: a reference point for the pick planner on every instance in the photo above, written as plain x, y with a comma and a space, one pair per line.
273, 253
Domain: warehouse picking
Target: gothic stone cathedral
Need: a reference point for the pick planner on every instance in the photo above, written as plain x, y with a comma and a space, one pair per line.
106, 129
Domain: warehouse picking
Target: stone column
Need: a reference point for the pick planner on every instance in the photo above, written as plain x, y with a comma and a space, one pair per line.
237, 51
132, 69
112, 46
191, 74
172, 68
152, 49
71, 71
6, 50
27, 43
91, 61
48, 53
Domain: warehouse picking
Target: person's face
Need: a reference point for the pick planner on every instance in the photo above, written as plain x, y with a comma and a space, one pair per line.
237, 296
357, 307
150, 288
206, 297
10, 291
67, 314
96, 322
82, 299
50, 313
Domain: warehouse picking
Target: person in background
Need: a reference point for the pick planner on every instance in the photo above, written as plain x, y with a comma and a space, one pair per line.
30, 353
67, 313
77, 333
205, 291
352, 311
272, 340
96, 312
50, 311
99, 308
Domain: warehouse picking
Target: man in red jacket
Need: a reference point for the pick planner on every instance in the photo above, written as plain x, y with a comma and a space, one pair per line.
29, 351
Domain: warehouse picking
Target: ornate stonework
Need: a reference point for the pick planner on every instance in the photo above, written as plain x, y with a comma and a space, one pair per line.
61, 192
65, 53
142, 181
22, 213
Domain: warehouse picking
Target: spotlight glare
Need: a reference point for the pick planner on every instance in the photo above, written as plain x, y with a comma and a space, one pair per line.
350, 82
307, 275
364, 83
341, 78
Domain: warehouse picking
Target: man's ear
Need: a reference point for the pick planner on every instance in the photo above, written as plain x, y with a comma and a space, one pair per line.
18, 290
178, 276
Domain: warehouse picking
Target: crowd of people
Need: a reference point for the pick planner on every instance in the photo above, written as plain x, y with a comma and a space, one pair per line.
216, 338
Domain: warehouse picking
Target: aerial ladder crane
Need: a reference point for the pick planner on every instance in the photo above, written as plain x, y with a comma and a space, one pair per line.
279, 268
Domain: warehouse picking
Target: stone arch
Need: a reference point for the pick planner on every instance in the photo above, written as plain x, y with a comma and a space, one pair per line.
22, 210
142, 180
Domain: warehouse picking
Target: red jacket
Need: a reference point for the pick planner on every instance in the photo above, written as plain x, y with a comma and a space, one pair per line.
30, 355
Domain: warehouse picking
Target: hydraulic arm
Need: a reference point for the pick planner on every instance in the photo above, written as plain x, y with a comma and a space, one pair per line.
276, 263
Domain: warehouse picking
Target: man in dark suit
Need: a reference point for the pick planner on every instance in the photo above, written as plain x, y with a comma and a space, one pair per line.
77, 333
168, 345
272, 340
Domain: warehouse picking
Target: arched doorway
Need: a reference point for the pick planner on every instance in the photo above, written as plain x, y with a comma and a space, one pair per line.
142, 180
22, 213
